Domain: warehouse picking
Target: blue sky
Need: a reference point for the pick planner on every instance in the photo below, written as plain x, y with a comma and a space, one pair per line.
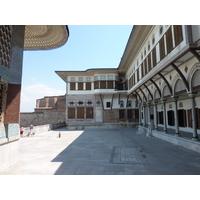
88, 46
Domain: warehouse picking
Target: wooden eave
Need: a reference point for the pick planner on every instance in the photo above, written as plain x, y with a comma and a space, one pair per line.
41, 37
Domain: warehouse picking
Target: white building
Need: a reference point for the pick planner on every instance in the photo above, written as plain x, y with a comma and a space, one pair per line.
159, 76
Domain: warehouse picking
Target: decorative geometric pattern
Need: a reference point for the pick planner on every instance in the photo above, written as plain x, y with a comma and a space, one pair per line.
45, 36
89, 102
128, 155
5, 44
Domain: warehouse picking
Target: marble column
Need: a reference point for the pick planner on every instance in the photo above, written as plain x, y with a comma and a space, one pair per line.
144, 114
194, 119
155, 115
164, 115
140, 114
176, 117
149, 118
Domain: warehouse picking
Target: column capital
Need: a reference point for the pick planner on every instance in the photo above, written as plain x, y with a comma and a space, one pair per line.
149, 103
163, 100
192, 94
175, 98
155, 102
144, 104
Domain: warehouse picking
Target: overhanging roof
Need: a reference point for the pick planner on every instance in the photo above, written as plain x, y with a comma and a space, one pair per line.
135, 41
41, 37
88, 72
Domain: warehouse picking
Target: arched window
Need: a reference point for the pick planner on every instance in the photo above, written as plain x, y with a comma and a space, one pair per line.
129, 104
148, 45
153, 39
180, 105
121, 104
145, 51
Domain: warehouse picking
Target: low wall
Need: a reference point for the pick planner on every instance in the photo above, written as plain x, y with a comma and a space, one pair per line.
44, 128
41, 118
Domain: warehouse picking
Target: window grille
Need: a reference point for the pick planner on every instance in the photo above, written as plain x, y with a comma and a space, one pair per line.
80, 103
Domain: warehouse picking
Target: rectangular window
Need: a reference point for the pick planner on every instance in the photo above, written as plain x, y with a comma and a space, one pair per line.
102, 77
136, 114
89, 112
142, 70
162, 48
149, 62
72, 86
121, 114
154, 61
80, 86
102, 84
88, 86
108, 104
169, 40
133, 79
130, 114
80, 112
80, 78
72, 79
144, 67
110, 77
96, 84
71, 113
129, 84
178, 34
146, 64
116, 84
88, 79
110, 84
137, 74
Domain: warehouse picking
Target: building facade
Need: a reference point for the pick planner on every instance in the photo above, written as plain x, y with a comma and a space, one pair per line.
157, 82
13, 41
98, 96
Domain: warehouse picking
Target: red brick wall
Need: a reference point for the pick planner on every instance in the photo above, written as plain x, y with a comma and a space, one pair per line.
111, 115
13, 103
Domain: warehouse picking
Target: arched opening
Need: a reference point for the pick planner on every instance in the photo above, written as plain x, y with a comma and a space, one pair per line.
196, 81
179, 88
166, 92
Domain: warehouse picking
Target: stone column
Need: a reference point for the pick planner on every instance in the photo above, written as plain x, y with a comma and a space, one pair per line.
176, 117
144, 113
149, 118
155, 115
140, 114
164, 114
194, 119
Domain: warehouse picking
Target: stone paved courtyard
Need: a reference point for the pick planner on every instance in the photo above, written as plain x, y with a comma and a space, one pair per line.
102, 152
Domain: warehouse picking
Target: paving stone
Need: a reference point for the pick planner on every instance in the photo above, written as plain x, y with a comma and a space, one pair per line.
102, 152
